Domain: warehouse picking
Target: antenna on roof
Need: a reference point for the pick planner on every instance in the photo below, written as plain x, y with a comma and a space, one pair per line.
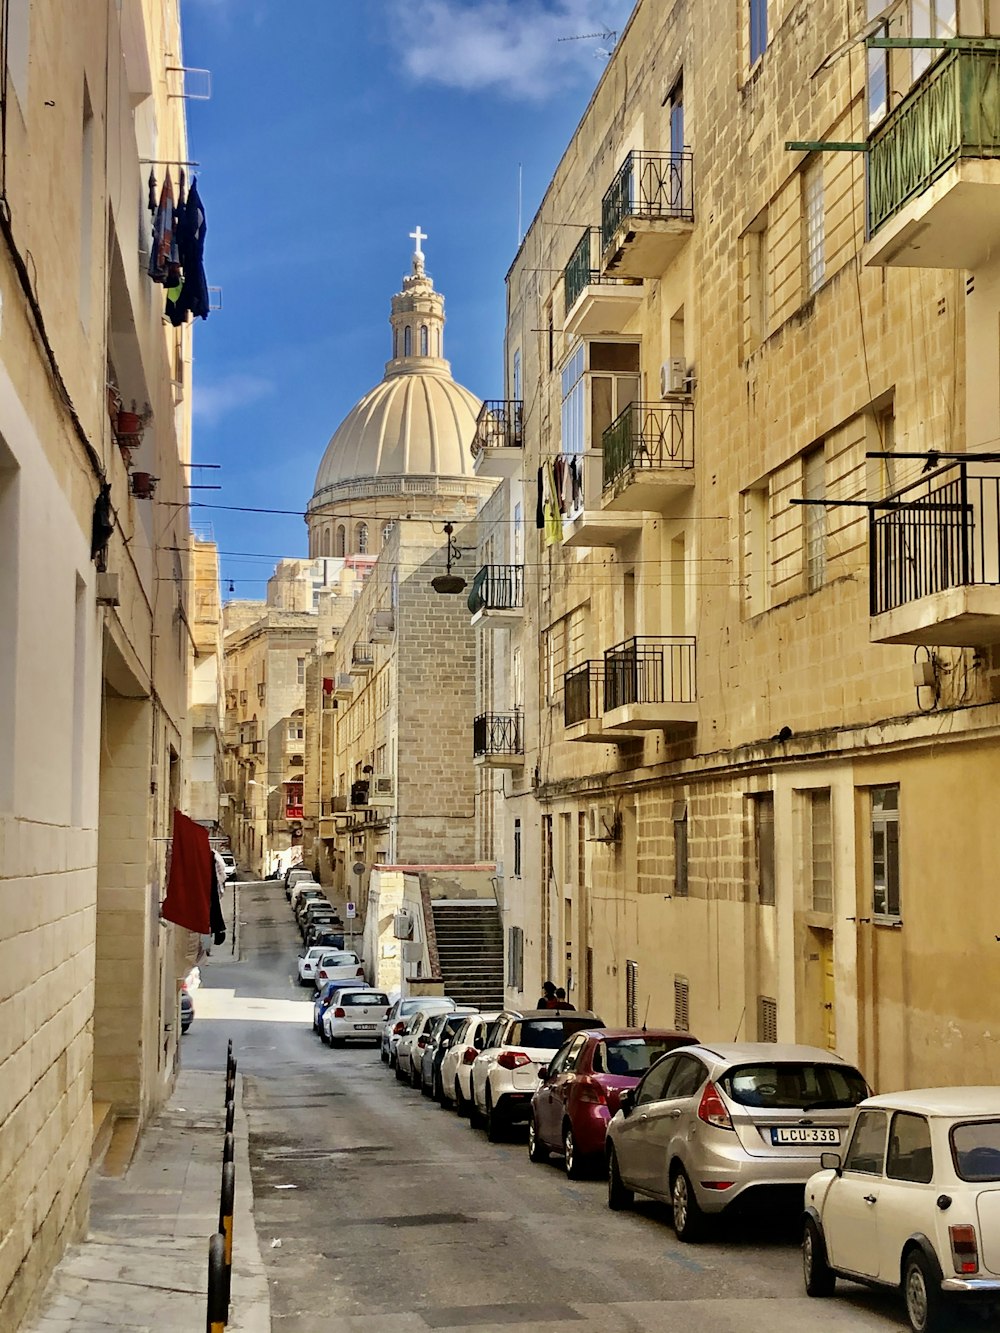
609, 35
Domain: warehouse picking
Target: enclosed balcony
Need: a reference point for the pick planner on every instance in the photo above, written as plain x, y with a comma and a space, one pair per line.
647, 214
649, 456
934, 558
583, 705
649, 684
588, 523
496, 597
362, 659
343, 686
496, 445
934, 167
596, 302
498, 740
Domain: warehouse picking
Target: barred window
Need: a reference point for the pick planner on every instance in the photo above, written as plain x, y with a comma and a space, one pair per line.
814, 227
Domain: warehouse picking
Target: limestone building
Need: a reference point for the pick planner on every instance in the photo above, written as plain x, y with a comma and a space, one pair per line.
95, 577
741, 685
206, 711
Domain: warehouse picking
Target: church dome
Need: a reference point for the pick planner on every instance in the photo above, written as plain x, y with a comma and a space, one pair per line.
417, 421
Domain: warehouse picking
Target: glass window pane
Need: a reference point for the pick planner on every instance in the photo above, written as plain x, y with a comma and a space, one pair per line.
867, 1150
910, 1149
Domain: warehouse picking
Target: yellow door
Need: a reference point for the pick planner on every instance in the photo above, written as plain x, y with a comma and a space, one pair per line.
829, 1026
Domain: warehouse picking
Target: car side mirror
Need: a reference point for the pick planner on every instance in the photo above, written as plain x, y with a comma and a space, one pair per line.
830, 1161
544, 1074
627, 1102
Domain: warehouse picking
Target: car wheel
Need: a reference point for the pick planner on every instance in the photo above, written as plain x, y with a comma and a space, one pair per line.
537, 1151
426, 1090
689, 1220
416, 1078
337, 1042
437, 1092
475, 1115
819, 1277
494, 1122
461, 1105
574, 1163
399, 1073
322, 1035
922, 1294
383, 1053
619, 1195
391, 1059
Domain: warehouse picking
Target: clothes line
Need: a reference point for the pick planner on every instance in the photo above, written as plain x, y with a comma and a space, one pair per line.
165, 162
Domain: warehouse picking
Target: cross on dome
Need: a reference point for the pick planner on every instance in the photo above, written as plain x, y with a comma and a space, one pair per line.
418, 236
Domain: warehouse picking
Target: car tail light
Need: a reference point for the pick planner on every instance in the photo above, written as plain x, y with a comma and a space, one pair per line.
398, 1029
469, 1054
718, 1184
360, 972
592, 1094
513, 1059
339, 1013
964, 1249
712, 1109
322, 975
421, 1041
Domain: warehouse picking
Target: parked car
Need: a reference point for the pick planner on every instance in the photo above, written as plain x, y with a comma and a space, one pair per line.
708, 1125
293, 874
230, 861
329, 939
354, 1015
440, 1034
505, 1074
411, 1043
300, 884
579, 1091
322, 1000
187, 1008
315, 907
398, 1016
301, 898
456, 1067
339, 965
308, 963
913, 1202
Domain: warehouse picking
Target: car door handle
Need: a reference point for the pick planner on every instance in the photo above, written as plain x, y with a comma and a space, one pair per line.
674, 1114
871, 1198
643, 1116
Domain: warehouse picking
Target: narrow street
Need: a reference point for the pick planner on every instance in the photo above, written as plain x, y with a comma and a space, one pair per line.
393, 1213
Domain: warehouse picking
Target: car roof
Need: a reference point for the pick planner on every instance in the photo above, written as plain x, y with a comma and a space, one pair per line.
765, 1051
974, 1101
614, 1034
560, 1014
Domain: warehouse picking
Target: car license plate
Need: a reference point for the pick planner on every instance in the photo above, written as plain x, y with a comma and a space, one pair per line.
370, 1027
795, 1134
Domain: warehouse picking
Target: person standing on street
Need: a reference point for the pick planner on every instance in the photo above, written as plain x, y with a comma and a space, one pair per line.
548, 996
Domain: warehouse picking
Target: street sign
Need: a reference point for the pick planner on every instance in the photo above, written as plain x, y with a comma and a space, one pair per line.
359, 867
350, 911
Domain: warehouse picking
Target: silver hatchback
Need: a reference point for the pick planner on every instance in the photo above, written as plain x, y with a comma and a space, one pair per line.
707, 1124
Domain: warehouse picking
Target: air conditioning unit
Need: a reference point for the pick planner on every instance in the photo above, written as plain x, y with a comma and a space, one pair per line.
673, 377
604, 824
402, 926
412, 953
383, 791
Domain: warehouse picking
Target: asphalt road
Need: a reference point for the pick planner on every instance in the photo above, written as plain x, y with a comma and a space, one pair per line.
377, 1211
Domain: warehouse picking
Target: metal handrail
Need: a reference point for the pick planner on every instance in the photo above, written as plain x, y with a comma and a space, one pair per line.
498, 733
583, 689
648, 185
583, 269
499, 425
498, 588
650, 670
654, 437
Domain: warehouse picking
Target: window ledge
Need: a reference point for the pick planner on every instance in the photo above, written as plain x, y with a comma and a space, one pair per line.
893, 922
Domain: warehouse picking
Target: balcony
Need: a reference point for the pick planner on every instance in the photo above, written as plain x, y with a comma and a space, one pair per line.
595, 302
589, 523
343, 686
647, 214
381, 627
498, 740
934, 558
933, 169
583, 706
649, 456
362, 659
496, 445
649, 684
496, 597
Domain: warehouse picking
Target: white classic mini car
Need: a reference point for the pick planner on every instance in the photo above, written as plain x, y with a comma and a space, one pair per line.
913, 1202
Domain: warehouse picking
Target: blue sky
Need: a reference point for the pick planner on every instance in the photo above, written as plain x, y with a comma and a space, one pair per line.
334, 128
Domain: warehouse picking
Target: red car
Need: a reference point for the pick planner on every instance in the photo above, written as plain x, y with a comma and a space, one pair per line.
581, 1087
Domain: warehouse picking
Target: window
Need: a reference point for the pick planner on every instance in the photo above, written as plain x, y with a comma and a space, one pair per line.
603, 377
866, 1151
813, 227
758, 29
652, 1086
573, 403
680, 849
588, 979
516, 374
878, 74
758, 279
885, 852
517, 847
687, 1077
930, 18
682, 1005
362, 536
518, 543
300, 670
975, 1150
18, 32
424, 350
515, 958
387, 531
763, 846
767, 1018
756, 548
820, 845
814, 517
910, 1156
407, 341
295, 729
631, 1000
341, 540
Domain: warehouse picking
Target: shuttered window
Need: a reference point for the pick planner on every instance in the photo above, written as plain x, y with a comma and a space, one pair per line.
682, 1005
767, 1018
631, 986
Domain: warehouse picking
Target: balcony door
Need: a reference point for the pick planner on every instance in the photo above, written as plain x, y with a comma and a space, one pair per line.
614, 384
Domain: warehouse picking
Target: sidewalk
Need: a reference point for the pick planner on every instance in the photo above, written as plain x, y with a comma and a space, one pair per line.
143, 1266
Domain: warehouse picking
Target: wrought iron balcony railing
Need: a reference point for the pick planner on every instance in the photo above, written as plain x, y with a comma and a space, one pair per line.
498, 425
497, 588
940, 532
583, 693
583, 269
363, 655
497, 734
648, 185
952, 112
654, 437
649, 670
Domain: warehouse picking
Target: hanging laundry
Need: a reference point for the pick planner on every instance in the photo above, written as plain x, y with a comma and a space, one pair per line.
558, 468
540, 500
553, 518
193, 297
152, 192
163, 233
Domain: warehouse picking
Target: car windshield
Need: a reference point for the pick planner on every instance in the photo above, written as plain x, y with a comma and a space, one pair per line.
631, 1056
546, 1033
364, 997
800, 1085
452, 1023
975, 1149
339, 959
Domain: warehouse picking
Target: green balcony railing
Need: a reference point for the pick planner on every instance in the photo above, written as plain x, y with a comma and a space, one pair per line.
952, 112
648, 437
648, 185
583, 270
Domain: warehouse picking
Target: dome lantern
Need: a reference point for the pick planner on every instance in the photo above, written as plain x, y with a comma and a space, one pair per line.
417, 320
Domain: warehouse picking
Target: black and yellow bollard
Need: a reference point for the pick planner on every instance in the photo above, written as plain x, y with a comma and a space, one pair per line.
229, 1148
230, 1080
230, 1116
217, 1307
226, 1226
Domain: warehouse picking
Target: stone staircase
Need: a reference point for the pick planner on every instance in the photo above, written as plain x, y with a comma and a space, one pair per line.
470, 951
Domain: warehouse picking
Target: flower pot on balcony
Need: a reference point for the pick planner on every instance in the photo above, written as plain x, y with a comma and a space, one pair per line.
143, 485
129, 423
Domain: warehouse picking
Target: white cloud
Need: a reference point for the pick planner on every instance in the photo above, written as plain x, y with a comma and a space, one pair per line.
510, 47
214, 401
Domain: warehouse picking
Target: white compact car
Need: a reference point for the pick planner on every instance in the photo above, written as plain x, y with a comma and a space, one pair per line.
309, 961
456, 1067
400, 1014
338, 965
913, 1202
355, 1015
505, 1073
